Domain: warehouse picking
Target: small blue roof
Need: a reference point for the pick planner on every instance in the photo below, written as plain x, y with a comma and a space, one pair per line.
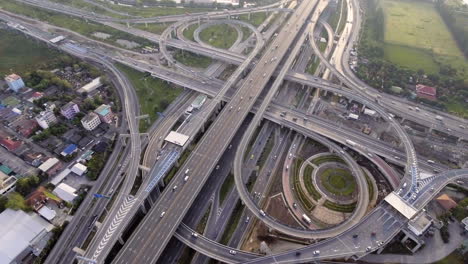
69, 149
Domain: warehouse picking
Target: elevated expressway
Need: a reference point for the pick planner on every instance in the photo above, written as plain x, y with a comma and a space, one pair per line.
143, 245
72, 11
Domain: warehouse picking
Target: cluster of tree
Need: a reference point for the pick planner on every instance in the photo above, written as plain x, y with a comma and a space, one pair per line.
56, 232
444, 233
457, 21
41, 80
90, 104
95, 165
56, 130
26, 185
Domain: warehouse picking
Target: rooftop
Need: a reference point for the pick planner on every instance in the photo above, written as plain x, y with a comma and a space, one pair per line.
103, 110
20, 227
12, 77
400, 205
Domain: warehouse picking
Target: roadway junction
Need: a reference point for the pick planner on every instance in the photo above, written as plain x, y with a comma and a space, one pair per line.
267, 65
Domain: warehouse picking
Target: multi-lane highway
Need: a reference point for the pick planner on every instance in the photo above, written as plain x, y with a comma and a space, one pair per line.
169, 210
167, 213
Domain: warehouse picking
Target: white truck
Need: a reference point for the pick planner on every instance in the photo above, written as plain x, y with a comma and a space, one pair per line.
306, 218
351, 143
438, 117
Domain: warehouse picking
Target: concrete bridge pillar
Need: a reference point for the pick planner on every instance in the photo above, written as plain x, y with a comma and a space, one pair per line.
128, 25
146, 24
199, 21
249, 15
121, 241
143, 208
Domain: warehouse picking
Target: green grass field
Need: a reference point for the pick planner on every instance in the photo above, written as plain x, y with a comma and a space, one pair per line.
71, 23
19, 54
219, 36
256, 19
156, 28
188, 32
192, 59
416, 37
154, 95
338, 181
417, 24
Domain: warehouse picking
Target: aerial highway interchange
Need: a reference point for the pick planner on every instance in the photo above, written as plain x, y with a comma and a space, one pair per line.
268, 65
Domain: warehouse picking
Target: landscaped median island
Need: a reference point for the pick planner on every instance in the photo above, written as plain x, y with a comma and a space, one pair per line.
338, 181
220, 36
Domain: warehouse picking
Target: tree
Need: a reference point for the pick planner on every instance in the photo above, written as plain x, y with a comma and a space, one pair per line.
16, 202
3, 203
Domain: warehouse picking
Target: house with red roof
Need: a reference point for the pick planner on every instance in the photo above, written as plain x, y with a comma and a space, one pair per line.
10, 144
426, 92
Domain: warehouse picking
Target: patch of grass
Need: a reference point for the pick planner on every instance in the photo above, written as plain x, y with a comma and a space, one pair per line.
266, 152
154, 95
245, 33
338, 181
72, 23
411, 58
416, 37
417, 24
304, 200
232, 224
157, 28
202, 224
343, 20
456, 107
309, 184
220, 36
256, 19
16, 202
344, 208
454, 258
20, 54
314, 62
327, 158
188, 32
191, 59
226, 188
370, 186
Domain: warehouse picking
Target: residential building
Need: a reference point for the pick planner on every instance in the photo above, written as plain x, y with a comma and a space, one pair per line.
25, 127
14, 81
79, 169
69, 110
427, 92
50, 166
446, 202
46, 118
7, 183
91, 121
69, 150
23, 234
10, 144
65, 192
105, 113
93, 85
